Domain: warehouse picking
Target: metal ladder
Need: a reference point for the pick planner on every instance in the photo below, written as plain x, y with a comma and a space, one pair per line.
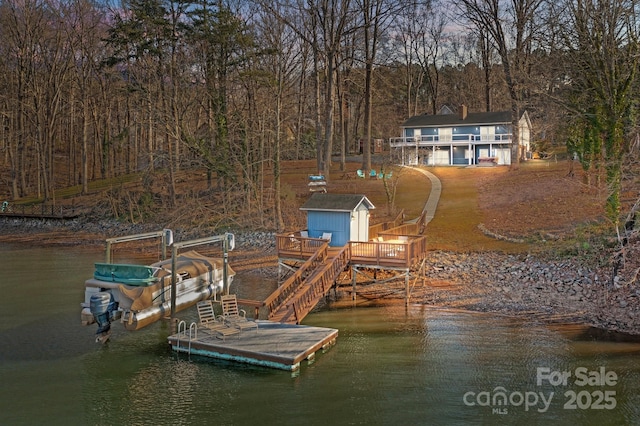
182, 330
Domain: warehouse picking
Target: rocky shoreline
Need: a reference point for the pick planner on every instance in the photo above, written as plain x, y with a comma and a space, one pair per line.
551, 290
93, 232
523, 285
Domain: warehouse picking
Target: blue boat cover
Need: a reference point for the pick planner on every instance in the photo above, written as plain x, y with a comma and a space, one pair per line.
135, 275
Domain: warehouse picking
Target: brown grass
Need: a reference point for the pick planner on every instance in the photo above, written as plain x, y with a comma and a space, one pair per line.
455, 225
536, 200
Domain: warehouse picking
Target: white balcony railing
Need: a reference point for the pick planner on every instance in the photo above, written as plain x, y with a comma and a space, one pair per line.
461, 139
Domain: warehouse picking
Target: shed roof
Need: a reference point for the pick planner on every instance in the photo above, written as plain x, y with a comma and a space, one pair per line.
473, 118
336, 202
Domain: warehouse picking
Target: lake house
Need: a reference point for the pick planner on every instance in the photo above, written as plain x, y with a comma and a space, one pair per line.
462, 138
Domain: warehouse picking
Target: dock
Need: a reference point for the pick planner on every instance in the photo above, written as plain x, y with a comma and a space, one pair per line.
38, 211
274, 345
315, 267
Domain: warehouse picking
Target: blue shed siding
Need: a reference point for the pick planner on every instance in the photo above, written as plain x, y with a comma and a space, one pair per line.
338, 223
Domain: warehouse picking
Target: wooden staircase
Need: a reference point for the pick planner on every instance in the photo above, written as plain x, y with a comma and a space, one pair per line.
299, 294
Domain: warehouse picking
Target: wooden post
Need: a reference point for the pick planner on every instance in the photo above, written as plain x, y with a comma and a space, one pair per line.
406, 288
225, 265
174, 278
354, 274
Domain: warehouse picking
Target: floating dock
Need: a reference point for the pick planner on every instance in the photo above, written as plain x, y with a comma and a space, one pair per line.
274, 345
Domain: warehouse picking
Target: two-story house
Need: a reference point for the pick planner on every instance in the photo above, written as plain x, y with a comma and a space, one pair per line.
460, 139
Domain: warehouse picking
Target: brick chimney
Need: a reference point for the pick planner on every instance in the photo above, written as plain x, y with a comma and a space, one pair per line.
463, 112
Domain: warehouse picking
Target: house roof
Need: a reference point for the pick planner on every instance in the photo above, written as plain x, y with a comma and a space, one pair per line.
336, 202
473, 118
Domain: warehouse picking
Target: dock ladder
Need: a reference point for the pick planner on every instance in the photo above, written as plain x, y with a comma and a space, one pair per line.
182, 330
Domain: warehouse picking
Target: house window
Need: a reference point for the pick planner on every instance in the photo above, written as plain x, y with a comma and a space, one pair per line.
445, 134
487, 133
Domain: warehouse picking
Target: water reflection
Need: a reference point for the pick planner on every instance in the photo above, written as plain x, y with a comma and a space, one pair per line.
390, 365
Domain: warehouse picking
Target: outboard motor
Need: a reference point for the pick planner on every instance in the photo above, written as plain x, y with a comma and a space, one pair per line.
101, 306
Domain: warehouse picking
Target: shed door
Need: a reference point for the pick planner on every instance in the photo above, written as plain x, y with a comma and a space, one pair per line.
359, 226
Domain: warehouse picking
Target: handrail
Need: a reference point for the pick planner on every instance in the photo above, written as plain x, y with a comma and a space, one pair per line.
399, 220
180, 324
406, 229
321, 283
301, 247
379, 228
400, 254
193, 327
290, 286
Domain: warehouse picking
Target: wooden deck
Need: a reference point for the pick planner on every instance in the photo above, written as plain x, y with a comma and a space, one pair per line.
321, 266
394, 253
274, 345
395, 250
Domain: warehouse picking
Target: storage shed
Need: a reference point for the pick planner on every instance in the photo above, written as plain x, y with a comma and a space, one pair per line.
344, 216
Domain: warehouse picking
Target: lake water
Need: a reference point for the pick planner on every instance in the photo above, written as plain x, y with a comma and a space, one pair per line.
390, 365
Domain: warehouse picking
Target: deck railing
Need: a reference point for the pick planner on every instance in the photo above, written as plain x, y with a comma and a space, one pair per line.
377, 229
459, 139
294, 246
393, 253
404, 229
407, 229
38, 211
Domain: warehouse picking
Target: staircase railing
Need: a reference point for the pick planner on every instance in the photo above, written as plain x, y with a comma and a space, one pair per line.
318, 286
289, 288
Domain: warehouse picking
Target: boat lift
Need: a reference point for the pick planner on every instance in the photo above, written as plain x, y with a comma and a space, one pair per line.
165, 234
102, 305
228, 243
227, 240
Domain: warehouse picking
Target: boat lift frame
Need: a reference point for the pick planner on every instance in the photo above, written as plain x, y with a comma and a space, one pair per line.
165, 234
228, 243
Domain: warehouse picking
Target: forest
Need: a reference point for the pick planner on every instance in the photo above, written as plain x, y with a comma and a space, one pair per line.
152, 89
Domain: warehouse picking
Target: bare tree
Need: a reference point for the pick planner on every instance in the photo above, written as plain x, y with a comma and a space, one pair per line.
403, 41
278, 70
511, 28
322, 24
22, 26
602, 44
85, 31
